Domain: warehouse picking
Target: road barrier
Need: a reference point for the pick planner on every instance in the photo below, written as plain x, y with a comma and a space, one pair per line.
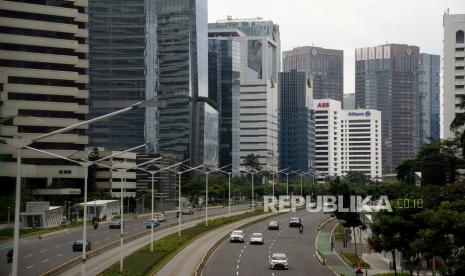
53, 234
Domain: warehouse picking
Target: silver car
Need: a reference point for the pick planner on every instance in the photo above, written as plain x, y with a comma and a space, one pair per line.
256, 238
278, 261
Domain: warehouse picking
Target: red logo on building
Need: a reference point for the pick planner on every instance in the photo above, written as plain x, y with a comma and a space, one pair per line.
323, 105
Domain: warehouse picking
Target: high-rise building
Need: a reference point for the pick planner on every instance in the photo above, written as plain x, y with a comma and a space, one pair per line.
386, 79
182, 41
347, 140
224, 83
123, 70
349, 101
43, 84
429, 91
260, 63
325, 65
454, 70
296, 121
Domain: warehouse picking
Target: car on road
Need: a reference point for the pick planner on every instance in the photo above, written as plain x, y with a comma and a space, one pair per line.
278, 261
115, 224
295, 222
160, 217
256, 238
273, 225
78, 246
188, 211
152, 222
237, 236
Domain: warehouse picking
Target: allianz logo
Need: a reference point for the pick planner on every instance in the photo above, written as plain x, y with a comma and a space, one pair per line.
366, 113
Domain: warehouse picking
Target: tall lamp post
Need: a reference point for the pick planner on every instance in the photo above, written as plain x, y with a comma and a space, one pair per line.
229, 187
273, 173
179, 173
21, 143
153, 183
253, 172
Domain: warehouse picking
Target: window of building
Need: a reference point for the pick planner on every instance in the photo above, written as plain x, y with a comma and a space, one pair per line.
459, 37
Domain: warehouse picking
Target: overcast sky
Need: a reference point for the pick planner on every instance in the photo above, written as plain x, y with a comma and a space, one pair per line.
347, 24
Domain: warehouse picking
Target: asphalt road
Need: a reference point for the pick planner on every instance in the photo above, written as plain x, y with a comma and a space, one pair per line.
245, 259
38, 256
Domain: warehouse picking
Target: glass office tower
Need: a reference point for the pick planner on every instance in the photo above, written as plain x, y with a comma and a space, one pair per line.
224, 89
296, 121
386, 79
182, 40
429, 85
123, 70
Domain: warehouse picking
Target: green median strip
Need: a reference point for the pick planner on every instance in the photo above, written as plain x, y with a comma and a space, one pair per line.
144, 262
354, 259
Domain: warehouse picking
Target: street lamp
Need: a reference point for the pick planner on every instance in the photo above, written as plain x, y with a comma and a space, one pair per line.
301, 174
153, 181
86, 164
179, 191
276, 172
253, 172
229, 187
21, 143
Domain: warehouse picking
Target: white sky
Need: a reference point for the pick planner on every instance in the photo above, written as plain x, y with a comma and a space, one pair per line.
347, 24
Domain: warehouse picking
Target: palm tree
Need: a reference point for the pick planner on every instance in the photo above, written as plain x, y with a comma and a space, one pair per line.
251, 162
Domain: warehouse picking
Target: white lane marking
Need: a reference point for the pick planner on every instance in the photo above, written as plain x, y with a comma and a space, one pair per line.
59, 255
237, 266
43, 261
31, 266
28, 256
237, 272
240, 256
57, 246
43, 250
96, 242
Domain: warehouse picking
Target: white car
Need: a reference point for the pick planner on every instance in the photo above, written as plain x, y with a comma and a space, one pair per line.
237, 236
256, 238
278, 261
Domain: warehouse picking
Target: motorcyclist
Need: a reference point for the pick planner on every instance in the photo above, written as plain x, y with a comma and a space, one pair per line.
301, 228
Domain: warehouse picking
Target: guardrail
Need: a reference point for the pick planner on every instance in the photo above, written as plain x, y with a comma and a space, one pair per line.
67, 265
53, 234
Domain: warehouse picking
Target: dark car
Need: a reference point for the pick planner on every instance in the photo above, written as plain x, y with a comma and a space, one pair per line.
273, 225
77, 246
295, 222
9, 256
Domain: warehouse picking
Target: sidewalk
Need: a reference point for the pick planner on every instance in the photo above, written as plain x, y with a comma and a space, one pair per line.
333, 261
187, 260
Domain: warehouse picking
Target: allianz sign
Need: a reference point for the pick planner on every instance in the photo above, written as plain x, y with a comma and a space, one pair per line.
366, 113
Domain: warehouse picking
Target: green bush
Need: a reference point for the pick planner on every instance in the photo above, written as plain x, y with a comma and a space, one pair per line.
339, 233
354, 259
143, 261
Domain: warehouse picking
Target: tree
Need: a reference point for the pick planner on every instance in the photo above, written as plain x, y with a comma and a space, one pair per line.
357, 178
92, 175
251, 162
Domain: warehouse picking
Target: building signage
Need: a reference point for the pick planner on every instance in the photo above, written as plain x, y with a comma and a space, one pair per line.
323, 105
366, 113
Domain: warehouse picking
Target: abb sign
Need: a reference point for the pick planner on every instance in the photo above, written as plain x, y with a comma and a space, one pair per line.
323, 105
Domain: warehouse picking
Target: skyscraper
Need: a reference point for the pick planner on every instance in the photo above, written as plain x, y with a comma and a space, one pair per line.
123, 70
387, 80
260, 65
43, 83
296, 121
182, 40
224, 63
454, 69
349, 101
325, 65
429, 83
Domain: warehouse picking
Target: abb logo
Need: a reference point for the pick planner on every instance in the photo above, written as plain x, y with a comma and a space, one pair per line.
323, 104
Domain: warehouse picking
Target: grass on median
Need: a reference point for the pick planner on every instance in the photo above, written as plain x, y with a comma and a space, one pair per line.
339, 233
354, 259
8, 232
143, 261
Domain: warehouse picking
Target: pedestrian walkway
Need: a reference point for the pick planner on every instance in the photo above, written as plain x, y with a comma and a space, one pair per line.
333, 261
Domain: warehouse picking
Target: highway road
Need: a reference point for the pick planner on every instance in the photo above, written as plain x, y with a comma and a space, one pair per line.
38, 256
245, 259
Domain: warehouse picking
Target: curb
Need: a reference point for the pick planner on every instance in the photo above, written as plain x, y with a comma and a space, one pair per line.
198, 271
53, 234
323, 223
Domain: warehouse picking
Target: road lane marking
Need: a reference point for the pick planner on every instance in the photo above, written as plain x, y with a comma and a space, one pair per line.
43, 261
31, 266
59, 255
28, 256
105, 232
57, 246
43, 250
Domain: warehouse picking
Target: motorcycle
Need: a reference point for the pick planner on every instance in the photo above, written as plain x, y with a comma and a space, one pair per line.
95, 226
301, 229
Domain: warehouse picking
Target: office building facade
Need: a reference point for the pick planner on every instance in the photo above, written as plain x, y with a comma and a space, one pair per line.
224, 61
429, 92
296, 122
349, 101
387, 80
325, 65
43, 82
454, 70
123, 70
260, 65
347, 140
182, 41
